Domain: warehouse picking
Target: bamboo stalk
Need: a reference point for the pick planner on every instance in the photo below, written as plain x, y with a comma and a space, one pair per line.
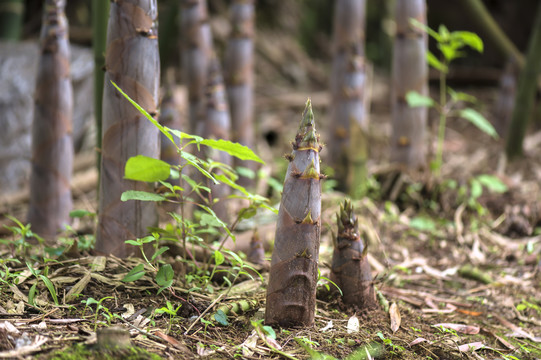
291, 292
217, 125
132, 62
348, 146
100, 12
409, 73
52, 143
196, 53
11, 19
526, 90
239, 78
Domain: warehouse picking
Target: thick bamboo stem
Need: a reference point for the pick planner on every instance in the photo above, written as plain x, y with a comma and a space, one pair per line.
409, 73
239, 78
217, 125
52, 143
196, 53
348, 146
132, 62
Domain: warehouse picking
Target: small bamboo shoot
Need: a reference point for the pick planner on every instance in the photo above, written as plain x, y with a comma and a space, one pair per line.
350, 268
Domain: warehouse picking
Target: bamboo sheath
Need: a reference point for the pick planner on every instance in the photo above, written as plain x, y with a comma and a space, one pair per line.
291, 292
52, 144
409, 73
132, 62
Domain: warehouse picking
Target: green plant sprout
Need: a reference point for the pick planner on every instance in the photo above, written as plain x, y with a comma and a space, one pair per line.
394, 349
170, 310
451, 45
106, 313
21, 236
324, 281
41, 278
146, 169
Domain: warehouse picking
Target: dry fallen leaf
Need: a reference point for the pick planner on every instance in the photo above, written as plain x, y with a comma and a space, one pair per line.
353, 325
471, 347
396, 319
464, 329
417, 341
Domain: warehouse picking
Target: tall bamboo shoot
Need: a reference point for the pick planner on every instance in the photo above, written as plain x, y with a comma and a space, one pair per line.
291, 292
52, 144
132, 62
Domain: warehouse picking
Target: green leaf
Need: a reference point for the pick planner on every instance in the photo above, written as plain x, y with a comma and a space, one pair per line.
135, 274
159, 252
133, 242
221, 318
461, 96
415, 99
476, 189
50, 287
141, 195
235, 257
470, 39
193, 161
182, 135
144, 168
419, 25
444, 33
218, 258
479, 121
269, 331
422, 223
247, 212
209, 220
80, 213
492, 183
435, 63
32, 294
234, 149
165, 275
246, 172
218, 221
146, 114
